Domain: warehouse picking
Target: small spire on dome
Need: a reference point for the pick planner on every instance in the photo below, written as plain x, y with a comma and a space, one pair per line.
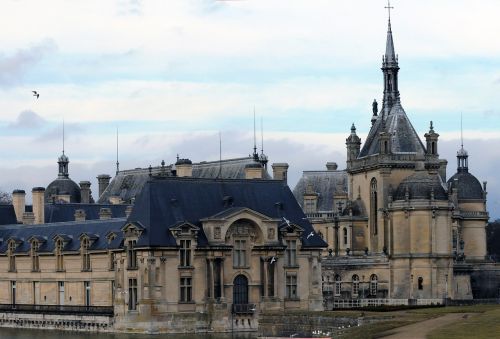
431, 127
353, 129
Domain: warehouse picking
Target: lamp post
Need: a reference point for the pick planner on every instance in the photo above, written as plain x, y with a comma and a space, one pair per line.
336, 223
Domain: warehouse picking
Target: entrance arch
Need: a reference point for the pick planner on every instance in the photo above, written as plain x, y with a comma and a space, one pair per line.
240, 290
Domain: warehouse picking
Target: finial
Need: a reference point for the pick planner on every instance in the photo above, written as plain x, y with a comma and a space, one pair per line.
353, 129
255, 155
177, 156
117, 162
389, 7
461, 132
63, 138
262, 135
375, 107
163, 163
431, 127
150, 169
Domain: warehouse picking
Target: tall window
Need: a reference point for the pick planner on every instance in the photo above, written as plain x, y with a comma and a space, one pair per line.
86, 287
420, 283
270, 279
345, 236
185, 253
355, 285
59, 255
373, 206
291, 253
373, 285
338, 285
309, 205
13, 286
291, 286
132, 294
85, 254
131, 255
111, 261
12, 258
35, 259
239, 253
186, 289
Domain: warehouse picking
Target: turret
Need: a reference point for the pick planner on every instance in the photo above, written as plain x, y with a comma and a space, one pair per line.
431, 139
353, 143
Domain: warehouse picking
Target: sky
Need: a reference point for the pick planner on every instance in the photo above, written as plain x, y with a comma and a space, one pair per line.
171, 74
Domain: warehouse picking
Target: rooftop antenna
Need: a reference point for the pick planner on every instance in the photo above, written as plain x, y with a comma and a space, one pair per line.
117, 162
461, 131
254, 136
220, 155
63, 137
262, 134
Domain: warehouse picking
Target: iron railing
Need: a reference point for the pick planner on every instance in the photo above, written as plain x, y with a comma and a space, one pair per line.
243, 308
57, 309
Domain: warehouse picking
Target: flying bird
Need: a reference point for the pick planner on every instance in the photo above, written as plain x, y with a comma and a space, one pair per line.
273, 260
310, 235
36, 94
286, 221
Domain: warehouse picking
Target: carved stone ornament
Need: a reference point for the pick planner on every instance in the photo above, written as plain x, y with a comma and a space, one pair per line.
217, 232
271, 233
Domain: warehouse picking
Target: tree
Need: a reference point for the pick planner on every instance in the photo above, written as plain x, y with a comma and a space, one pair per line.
5, 198
493, 239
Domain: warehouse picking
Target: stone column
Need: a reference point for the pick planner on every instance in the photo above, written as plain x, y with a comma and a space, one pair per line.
266, 264
211, 278
222, 295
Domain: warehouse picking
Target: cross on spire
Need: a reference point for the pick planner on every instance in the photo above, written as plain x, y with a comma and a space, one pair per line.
389, 7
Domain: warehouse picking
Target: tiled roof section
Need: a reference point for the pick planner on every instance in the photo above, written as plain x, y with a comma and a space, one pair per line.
469, 188
421, 185
404, 138
66, 212
128, 184
7, 215
168, 201
70, 231
325, 183
63, 186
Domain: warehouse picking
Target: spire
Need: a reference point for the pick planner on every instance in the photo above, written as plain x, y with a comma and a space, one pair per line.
63, 160
462, 155
117, 162
255, 154
390, 68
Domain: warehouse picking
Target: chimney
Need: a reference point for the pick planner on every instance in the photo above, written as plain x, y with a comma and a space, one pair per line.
331, 166
103, 181
115, 200
85, 190
28, 218
128, 211
280, 171
80, 215
105, 213
253, 171
184, 168
39, 204
19, 202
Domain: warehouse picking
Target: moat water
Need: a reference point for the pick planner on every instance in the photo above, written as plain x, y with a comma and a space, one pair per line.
16, 333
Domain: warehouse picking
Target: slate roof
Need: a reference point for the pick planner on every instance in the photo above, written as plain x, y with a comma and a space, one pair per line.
404, 137
325, 183
67, 230
421, 185
63, 186
66, 212
166, 202
128, 184
469, 187
7, 215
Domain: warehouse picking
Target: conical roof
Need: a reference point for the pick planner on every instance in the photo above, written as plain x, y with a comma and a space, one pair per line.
404, 138
390, 55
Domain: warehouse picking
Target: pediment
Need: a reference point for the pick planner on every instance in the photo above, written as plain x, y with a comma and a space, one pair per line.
237, 213
184, 228
132, 229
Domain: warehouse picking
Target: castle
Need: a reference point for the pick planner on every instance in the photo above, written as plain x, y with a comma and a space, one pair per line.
210, 246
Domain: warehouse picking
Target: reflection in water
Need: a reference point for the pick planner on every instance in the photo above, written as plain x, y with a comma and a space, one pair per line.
16, 333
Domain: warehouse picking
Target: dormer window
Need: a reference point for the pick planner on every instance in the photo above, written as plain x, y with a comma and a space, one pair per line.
185, 253
59, 255
35, 259
12, 257
131, 255
84, 249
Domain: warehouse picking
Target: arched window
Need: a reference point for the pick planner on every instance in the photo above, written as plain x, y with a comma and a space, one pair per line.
373, 206
12, 258
355, 285
59, 255
420, 283
85, 254
373, 285
345, 236
35, 259
433, 148
338, 285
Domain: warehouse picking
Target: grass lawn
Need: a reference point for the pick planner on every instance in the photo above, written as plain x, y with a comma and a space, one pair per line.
478, 326
487, 319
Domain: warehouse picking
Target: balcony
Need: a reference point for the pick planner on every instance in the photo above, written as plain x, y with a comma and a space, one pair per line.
243, 308
57, 309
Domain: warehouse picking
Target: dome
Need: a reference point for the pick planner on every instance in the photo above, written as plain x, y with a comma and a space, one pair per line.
63, 186
468, 185
420, 186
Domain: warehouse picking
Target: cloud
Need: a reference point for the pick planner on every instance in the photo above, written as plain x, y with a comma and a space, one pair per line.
12, 68
55, 133
27, 120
